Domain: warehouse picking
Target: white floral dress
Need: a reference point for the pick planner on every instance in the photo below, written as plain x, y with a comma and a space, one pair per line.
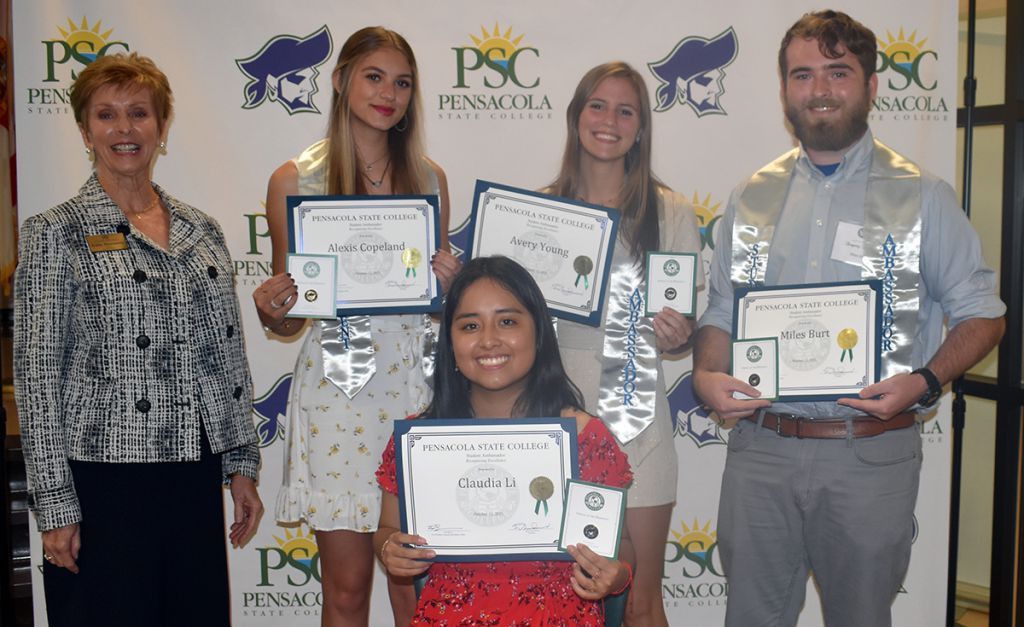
334, 444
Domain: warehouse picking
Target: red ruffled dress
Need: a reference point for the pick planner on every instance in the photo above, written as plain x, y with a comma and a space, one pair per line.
516, 593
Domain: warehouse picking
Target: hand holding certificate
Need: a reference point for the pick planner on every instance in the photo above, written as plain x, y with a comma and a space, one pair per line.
829, 335
382, 245
566, 246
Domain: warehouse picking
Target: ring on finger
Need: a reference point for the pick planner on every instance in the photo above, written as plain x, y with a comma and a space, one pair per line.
274, 305
47, 557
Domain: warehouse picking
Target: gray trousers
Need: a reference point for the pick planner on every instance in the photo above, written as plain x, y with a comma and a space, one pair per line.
840, 508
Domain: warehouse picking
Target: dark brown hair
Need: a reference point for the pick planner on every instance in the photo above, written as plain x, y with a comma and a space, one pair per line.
832, 29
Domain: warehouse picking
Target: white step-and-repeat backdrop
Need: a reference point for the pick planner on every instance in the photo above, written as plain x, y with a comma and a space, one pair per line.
500, 121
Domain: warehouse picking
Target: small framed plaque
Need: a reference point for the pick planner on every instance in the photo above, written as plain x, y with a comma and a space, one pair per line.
593, 516
756, 363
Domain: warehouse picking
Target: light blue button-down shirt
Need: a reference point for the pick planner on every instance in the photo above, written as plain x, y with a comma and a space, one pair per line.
955, 282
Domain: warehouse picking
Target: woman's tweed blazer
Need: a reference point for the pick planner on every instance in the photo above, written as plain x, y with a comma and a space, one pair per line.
120, 355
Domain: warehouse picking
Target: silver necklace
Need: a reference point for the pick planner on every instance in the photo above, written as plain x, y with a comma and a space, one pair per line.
376, 184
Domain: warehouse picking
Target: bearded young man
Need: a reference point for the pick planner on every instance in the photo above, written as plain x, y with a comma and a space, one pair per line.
831, 486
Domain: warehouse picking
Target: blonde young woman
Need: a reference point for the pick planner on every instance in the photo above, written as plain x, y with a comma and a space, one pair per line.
607, 161
339, 419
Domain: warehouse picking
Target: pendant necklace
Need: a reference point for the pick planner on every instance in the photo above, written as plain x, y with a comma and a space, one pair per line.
376, 184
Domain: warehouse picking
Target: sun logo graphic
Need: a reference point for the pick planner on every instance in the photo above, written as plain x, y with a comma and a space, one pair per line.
693, 569
284, 70
689, 419
82, 43
693, 73
296, 555
498, 55
270, 410
902, 58
707, 217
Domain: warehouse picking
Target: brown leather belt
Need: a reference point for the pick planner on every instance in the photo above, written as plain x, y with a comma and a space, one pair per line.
790, 426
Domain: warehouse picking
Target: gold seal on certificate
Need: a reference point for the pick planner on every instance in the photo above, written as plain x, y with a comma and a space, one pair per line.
477, 488
829, 335
566, 245
378, 242
593, 516
671, 281
315, 276
411, 258
756, 362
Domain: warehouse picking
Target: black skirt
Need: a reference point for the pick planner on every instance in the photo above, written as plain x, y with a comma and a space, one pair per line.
153, 547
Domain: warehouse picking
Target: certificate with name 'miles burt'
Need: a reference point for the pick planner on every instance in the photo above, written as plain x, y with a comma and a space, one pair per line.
829, 335
485, 489
566, 245
383, 245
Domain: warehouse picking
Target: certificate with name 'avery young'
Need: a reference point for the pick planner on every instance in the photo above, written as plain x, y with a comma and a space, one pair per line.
566, 245
482, 489
383, 245
829, 335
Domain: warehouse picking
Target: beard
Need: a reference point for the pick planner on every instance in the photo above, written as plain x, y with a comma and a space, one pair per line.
829, 135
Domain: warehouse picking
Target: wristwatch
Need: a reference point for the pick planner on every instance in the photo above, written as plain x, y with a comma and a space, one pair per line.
934, 387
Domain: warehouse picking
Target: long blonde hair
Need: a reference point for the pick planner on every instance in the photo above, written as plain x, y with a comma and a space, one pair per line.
640, 189
405, 147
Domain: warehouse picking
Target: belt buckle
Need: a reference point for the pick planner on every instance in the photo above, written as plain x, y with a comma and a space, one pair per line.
780, 418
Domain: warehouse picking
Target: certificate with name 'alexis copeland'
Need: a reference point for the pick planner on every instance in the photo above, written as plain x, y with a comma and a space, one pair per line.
566, 245
481, 490
829, 335
383, 245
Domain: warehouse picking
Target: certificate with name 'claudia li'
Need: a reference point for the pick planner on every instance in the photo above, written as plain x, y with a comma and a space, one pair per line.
383, 245
485, 489
566, 245
829, 335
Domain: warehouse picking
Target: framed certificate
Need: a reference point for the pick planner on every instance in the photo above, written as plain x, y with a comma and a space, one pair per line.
480, 490
593, 516
671, 282
567, 246
383, 245
317, 281
756, 362
829, 335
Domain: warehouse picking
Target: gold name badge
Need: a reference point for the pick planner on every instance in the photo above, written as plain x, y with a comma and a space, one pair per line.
106, 242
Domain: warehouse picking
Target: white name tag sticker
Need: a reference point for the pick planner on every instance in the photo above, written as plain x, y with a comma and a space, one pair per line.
848, 246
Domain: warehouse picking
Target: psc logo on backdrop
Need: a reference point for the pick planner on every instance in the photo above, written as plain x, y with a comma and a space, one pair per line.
497, 78
692, 74
284, 70
693, 570
79, 45
288, 577
908, 80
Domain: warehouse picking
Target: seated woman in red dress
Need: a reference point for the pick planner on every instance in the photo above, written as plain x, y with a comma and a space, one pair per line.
498, 358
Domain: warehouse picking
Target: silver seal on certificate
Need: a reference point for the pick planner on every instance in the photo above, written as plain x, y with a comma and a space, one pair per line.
366, 259
541, 489
311, 296
539, 253
804, 345
594, 501
487, 495
591, 531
